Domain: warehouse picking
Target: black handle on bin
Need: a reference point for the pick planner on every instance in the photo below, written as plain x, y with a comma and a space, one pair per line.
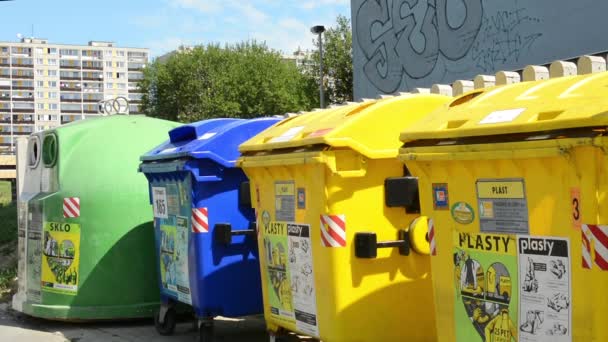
222, 232
366, 244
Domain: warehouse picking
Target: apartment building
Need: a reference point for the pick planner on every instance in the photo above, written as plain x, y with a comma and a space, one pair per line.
45, 85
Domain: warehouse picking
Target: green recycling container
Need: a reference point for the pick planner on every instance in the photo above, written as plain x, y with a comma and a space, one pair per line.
85, 228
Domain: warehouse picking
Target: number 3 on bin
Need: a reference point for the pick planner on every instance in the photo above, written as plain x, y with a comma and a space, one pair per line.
159, 201
575, 196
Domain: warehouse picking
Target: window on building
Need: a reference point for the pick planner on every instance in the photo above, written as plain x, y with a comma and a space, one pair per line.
109, 85
52, 51
53, 106
39, 50
52, 83
108, 64
52, 72
108, 53
39, 61
39, 83
39, 94
52, 61
121, 64
53, 95
40, 106
122, 86
108, 75
39, 72
121, 53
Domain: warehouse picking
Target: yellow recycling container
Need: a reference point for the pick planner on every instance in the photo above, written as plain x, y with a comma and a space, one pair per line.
329, 192
514, 179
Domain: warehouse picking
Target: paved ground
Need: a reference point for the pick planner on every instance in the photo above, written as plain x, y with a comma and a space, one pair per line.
16, 327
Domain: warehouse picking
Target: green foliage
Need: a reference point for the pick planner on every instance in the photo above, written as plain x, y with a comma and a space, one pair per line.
337, 62
6, 195
8, 222
244, 80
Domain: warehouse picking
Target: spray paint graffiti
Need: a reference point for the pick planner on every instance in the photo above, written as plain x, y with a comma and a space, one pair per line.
401, 44
395, 40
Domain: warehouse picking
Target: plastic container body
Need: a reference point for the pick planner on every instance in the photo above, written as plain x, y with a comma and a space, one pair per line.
84, 225
318, 180
520, 245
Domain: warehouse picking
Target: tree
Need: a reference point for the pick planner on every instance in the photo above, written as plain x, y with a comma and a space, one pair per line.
337, 62
244, 80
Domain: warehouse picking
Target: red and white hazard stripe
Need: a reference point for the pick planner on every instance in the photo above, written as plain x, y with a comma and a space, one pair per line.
586, 246
71, 207
432, 237
600, 238
333, 230
200, 220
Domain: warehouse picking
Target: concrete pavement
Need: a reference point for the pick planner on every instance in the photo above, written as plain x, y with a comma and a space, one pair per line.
17, 327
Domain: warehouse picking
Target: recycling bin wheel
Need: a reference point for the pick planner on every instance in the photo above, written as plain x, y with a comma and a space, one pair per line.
168, 326
205, 332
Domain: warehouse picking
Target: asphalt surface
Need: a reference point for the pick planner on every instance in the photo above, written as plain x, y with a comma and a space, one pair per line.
17, 327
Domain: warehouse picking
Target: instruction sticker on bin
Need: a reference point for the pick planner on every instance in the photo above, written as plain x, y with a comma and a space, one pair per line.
285, 201
485, 282
503, 206
545, 311
290, 277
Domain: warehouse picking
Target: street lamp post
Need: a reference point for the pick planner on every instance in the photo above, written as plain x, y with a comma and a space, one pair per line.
319, 29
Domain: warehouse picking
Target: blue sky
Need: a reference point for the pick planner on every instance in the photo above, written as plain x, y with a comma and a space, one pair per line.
162, 25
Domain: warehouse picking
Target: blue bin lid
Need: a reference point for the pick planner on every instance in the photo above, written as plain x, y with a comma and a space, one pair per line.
215, 139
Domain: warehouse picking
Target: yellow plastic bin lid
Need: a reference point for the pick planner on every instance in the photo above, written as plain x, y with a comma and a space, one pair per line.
557, 104
371, 128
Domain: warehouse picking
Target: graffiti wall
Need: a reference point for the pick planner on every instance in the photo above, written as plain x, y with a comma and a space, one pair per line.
403, 44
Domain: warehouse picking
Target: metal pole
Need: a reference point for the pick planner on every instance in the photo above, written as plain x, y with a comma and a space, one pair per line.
321, 100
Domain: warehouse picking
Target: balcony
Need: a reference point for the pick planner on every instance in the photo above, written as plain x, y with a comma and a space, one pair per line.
90, 111
71, 100
5, 110
5, 76
89, 78
21, 87
23, 110
17, 65
92, 67
71, 111
2, 64
136, 69
23, 77
23, 122
22, 133
74, 67
68, 78
70, 89
91, 100
22, 99
5, 121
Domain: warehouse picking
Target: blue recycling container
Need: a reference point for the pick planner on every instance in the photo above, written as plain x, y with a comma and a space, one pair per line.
204, 223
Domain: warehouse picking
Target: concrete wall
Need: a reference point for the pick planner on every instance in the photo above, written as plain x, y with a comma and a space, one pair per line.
400, 45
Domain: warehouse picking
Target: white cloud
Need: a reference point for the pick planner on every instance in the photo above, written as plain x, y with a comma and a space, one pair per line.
312, 4
205, 6
161, 46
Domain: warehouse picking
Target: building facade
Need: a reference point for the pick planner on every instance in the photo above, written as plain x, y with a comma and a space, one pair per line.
45, 85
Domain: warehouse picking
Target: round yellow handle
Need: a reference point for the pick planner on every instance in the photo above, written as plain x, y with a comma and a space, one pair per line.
418, 233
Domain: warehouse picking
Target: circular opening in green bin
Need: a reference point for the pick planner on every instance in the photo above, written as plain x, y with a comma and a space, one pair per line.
33, 152
49, 150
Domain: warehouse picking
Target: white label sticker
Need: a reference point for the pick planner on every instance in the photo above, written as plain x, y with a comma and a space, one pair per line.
302, 278
499, 116
159, 202
288, 135
545, 281
169, 150
207, 136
